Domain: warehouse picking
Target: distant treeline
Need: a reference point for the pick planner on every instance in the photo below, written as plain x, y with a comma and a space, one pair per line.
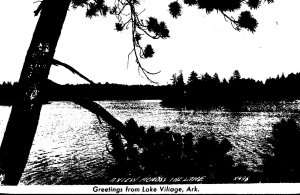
207, 90
203, 90
9, 92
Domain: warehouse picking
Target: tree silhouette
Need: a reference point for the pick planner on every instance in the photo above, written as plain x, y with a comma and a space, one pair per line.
193, 78
236, 76
25, 112
216, 78
208, 91
284, 164
176, 95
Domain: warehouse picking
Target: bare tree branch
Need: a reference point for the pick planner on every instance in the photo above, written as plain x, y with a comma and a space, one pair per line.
38, 10
233, 22
97, 109
73, 70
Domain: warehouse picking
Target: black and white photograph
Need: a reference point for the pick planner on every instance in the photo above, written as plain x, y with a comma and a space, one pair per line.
148, 96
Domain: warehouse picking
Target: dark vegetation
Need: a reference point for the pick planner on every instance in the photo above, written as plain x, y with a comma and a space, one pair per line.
107, 92
207, 90
284, 163
8, 92
199, 91
163, 153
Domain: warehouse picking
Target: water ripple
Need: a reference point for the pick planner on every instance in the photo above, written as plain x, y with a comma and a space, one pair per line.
70, 143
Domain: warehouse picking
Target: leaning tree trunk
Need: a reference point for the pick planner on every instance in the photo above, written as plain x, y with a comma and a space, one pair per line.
24, 117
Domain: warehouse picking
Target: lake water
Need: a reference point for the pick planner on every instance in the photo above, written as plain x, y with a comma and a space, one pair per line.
70, 143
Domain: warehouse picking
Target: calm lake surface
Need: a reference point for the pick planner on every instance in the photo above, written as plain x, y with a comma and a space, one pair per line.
70, 143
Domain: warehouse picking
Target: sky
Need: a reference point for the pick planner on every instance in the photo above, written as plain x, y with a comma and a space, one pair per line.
198, 42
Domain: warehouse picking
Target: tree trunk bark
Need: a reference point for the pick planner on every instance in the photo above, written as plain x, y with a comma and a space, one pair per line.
24, 117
